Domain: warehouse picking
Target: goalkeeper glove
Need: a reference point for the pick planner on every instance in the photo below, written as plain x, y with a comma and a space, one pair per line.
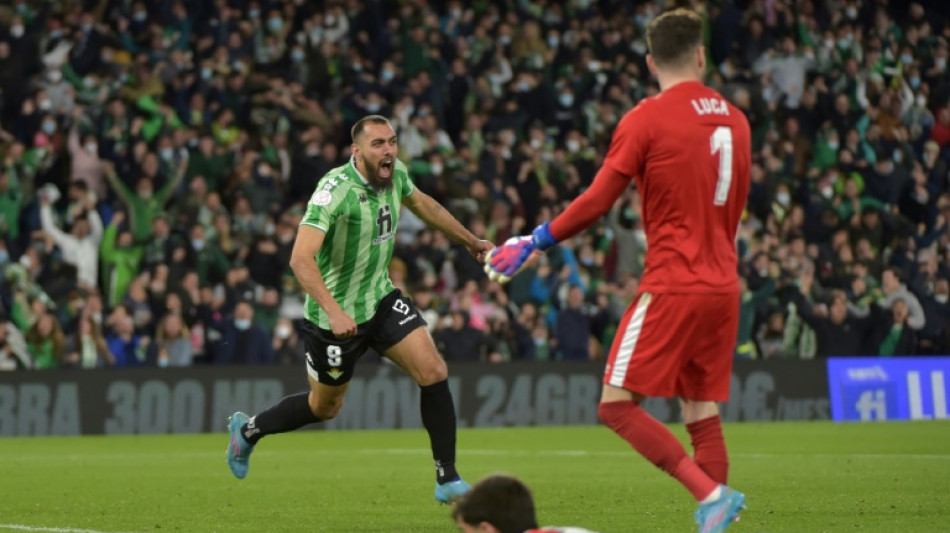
506, 260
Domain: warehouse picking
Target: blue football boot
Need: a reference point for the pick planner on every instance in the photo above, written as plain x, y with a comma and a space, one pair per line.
239, 450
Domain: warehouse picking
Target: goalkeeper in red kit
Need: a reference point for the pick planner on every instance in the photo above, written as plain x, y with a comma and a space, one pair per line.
688, 150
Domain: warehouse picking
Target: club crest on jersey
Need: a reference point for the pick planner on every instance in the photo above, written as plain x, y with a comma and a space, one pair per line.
335, 373
322, 198
363, 198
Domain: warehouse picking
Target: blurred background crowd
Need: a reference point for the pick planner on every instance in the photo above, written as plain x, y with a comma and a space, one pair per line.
157, 156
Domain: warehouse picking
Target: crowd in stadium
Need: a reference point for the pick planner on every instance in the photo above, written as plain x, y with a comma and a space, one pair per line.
157, 157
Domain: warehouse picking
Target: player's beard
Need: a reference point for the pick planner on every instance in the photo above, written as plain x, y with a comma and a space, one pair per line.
380, 176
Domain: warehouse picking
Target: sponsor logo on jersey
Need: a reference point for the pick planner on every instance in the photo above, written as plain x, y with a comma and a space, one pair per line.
384, 224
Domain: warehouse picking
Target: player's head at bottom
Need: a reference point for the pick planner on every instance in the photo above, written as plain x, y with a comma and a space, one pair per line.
498, 503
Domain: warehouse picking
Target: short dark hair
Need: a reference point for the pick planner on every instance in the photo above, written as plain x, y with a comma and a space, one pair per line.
502, 501
360, 125
672, 36
896, 271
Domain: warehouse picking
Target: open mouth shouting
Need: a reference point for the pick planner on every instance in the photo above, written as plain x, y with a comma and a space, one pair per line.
386, 168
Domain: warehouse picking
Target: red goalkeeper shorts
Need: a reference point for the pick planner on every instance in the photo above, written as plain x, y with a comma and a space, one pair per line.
676, 345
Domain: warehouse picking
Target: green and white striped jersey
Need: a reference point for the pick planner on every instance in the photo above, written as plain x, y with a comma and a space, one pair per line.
360, 226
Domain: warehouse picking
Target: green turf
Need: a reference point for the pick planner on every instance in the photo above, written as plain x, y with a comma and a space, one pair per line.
799, 477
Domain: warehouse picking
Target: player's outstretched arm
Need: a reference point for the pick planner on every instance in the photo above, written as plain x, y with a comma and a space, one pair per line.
589, 207
304, 264
436, 216
506, 260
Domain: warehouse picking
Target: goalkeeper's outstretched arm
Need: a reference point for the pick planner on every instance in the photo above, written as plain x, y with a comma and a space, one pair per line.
608, 185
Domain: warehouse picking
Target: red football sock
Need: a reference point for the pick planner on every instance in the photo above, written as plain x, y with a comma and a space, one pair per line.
655, 442
709, 448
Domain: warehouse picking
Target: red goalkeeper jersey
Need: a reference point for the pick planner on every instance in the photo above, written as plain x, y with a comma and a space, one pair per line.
689, 151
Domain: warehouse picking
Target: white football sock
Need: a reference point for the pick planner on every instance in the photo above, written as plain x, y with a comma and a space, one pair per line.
713, 496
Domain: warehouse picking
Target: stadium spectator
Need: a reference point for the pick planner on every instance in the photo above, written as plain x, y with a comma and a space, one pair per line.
45, 342
119, 258
836, 333
894, 336
128, 348
574, 326
894, 289
771, 337
173, 342
14, 353
86, 348
933, 339
288, 345
460, 341
242, 342
504, 113
80, 247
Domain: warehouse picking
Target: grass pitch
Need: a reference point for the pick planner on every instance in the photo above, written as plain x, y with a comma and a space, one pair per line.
799, 478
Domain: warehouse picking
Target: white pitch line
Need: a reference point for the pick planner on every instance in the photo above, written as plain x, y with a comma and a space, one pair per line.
604, 453
482, 452
20, 527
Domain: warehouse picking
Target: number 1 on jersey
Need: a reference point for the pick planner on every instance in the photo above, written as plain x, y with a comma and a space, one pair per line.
721, 141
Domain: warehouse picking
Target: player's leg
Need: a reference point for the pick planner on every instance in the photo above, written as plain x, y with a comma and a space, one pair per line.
401, 336
644, 361
417, 355
330, 366
705, 380
705, 433
320, 403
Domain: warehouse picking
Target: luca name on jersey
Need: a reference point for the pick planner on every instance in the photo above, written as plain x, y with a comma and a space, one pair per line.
710, 106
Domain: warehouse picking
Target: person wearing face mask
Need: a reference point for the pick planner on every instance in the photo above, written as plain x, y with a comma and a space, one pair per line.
784, 198
242, 341
80, 247
934, 338
207, 258
11, 74
86, 165
120, 260
144, 204
210, 162
288, 347
826, 150
567, 115
88, 43
24, 36
275, 23
918, 118
886, 181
